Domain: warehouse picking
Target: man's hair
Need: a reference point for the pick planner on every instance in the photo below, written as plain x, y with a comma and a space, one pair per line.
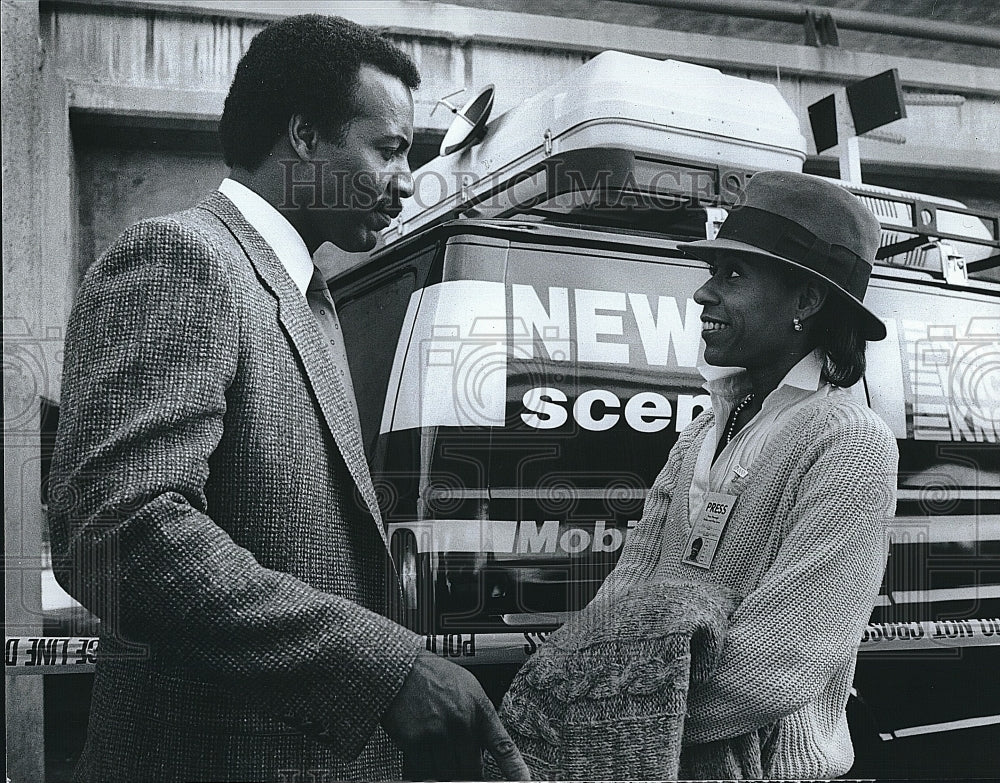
302, 65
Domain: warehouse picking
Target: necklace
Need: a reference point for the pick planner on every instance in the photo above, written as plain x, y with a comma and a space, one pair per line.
736, 414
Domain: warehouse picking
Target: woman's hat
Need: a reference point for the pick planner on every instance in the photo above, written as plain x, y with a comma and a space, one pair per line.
807, 222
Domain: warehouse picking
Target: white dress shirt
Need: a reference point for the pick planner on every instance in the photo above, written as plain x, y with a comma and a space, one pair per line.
295, 257
284, 240
727, 387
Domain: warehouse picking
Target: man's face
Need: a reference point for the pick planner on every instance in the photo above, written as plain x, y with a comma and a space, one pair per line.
366, 174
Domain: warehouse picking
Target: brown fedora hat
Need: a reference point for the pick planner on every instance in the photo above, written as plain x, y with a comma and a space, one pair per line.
809, 223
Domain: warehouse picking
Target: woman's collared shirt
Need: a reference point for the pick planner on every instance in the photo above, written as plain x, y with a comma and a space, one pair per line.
727, 386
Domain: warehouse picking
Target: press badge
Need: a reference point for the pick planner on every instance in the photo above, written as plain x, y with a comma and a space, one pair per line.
707, 531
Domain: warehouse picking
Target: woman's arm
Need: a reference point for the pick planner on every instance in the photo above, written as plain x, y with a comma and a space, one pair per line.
806, 617
644, 544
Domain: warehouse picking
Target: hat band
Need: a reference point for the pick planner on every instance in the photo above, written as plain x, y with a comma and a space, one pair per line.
786, 238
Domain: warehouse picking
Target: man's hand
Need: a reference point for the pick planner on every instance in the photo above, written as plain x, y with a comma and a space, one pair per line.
442, 720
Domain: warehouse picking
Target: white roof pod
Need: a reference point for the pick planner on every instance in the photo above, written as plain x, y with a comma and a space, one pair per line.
668, 109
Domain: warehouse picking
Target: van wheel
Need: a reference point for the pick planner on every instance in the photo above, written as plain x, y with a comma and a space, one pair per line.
414, 568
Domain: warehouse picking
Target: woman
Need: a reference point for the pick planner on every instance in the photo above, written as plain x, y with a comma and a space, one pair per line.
788, 479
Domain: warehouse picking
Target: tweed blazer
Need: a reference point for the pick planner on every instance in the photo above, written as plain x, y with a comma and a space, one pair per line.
211, 503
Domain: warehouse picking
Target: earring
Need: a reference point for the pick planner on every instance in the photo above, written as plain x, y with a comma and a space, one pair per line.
797, 324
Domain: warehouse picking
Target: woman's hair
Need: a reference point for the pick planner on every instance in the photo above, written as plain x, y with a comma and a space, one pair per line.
838, 332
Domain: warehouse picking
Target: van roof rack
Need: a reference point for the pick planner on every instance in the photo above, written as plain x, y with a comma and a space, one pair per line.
613, 188
933, 234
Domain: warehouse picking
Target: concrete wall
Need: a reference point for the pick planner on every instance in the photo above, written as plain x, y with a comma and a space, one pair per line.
142, 58
977, 13
162, 64
165, 67
121, 186
109, 110
27, 369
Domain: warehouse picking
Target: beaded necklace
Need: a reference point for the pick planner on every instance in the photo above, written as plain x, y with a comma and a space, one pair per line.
731, 427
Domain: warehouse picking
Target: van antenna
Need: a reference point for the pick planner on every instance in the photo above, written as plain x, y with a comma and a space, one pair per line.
469, 125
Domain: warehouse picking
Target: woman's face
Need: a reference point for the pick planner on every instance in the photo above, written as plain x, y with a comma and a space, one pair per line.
747, 308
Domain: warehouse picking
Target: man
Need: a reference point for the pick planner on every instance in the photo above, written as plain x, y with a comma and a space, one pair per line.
211, 499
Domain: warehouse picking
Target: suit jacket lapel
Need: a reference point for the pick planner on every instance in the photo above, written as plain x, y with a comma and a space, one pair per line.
304, 333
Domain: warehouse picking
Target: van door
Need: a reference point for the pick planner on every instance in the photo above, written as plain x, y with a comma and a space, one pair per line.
928, 662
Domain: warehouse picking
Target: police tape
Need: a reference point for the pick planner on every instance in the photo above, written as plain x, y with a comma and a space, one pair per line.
475, 649
49, 654
66, 654
931, 635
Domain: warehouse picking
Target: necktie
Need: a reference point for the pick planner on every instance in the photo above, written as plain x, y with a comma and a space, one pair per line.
321, 304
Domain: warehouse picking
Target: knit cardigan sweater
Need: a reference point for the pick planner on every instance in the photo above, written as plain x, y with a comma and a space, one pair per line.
805, 547
605, 697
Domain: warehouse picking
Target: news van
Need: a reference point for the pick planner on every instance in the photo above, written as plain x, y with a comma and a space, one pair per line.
524, 354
